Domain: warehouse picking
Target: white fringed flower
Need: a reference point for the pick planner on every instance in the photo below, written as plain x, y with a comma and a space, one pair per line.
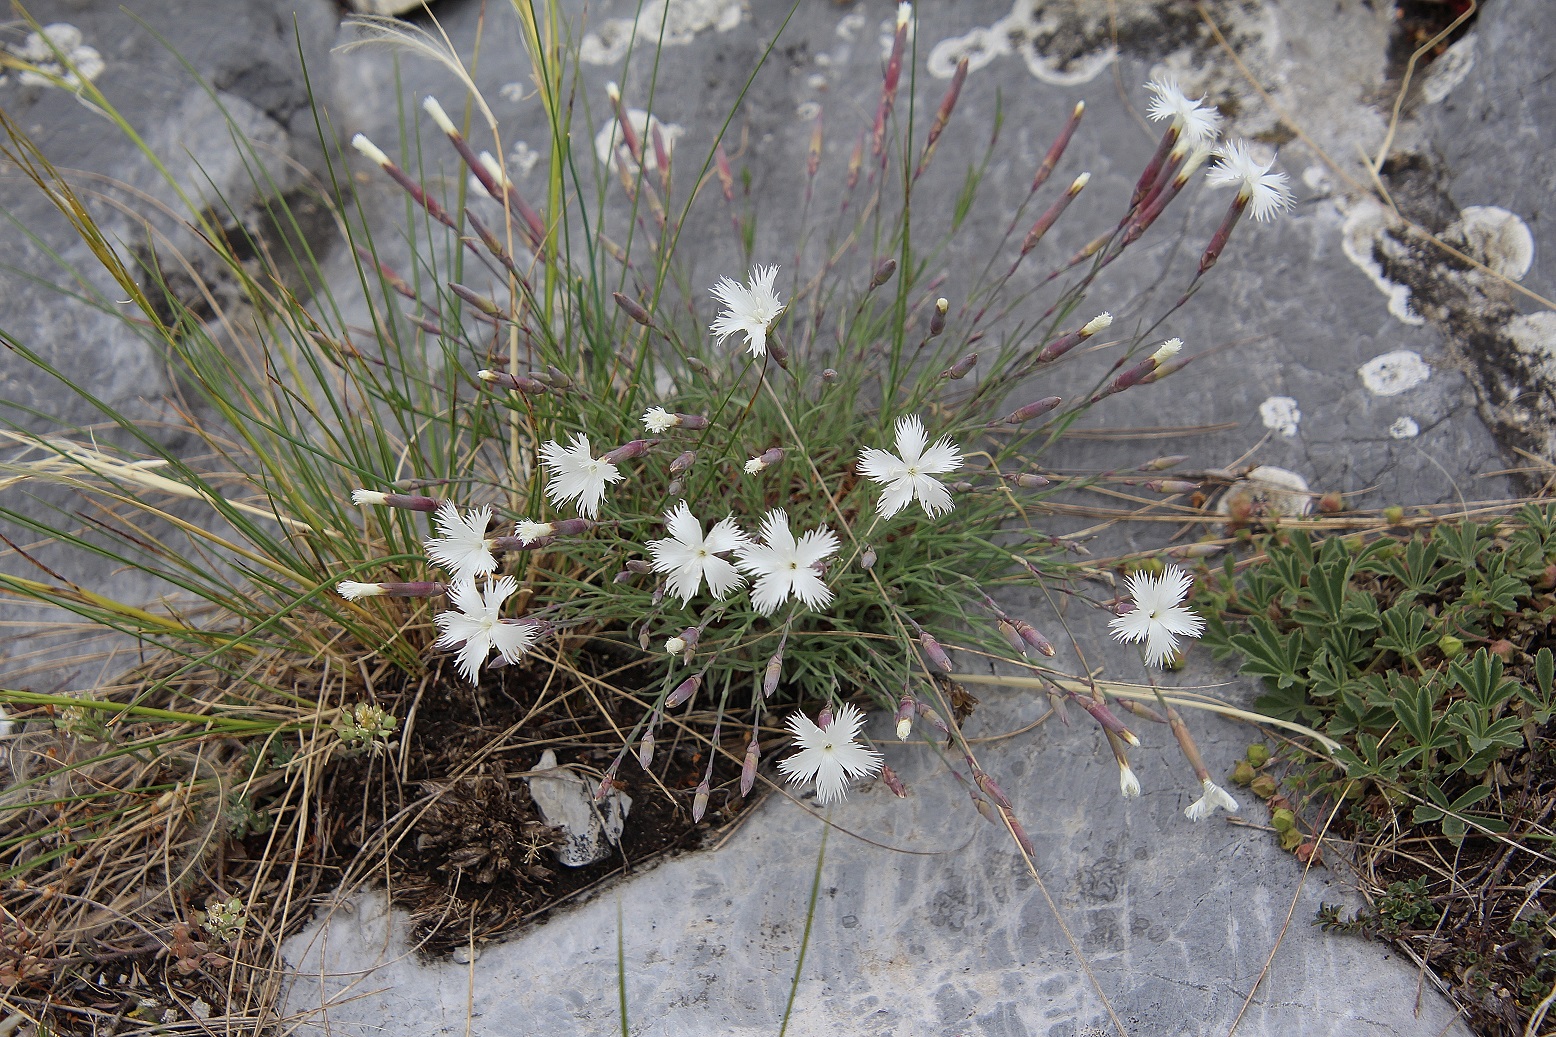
479, 626
1263, 191
1159, 617
783, 566
689, 557
1196, 121
657, 420
749, 308
1215, 796
831, 756
463, 549
577, 475
909, 474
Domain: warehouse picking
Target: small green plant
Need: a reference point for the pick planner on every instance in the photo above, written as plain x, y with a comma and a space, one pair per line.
1425, 657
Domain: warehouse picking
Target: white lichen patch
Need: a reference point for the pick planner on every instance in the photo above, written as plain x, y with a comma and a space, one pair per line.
608, 142
1366, 224
1496, 237
1393, 373
1449, 70
681, 20
44, 51
1404, 428
849, 25
1281, 415
1534, 336
1025, 30
1267, 491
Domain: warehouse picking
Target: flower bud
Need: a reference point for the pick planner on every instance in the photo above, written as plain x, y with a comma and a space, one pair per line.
634, 309
867, 559
481, 303
698, 366
515, 383
935, 653
1008, 632
935, 719
700, 801
937, 319
608, 782
675, 645
763, 461
431, 106
1028, 481
824, 718
883, 273
646, 746
774, 669
685, 690
1030, 635
748, 767
1171, 486
960, 369
829, 376
403, 501
1032, 410
370, 150
1161, 464
692, 422
628, 451
683, 462
888, 775
991, 789
690, 636
905, 710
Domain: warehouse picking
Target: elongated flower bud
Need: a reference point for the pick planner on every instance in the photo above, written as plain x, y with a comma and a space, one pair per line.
883, 273
513, 382
683, 462
646, 746
353, 591
960, 369
608, 782
1104, 716
935, 719
1056, 349
943, 114
748, 767
700, 801
403, 501
1008, 632
1032, 410
474, 298
1047, 220
628, 451
1031, 636
991, 789
1171, 486
634, 309
1028, 481
1056, 150
936, 654
685, 690
774, 668
824, 718
1161, 464
888, 775
867, 559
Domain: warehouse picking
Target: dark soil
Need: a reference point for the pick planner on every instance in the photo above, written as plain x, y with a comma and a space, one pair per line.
469, 855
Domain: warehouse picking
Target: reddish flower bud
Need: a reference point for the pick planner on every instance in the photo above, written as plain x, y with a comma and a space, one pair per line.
888, 775
632, 308
683, 463
936, 654
700, 801
937, 319
685, 690
1032, 410
748, 767
628, 451
960, 369
883, 273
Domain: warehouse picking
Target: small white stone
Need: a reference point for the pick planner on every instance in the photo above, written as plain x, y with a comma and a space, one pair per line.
464, 954
1404, 428
1280, 414
1393, 373
566, 801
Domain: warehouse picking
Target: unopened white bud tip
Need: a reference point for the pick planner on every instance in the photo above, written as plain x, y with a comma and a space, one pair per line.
351, 590
360, 497
1167, 350
1097, 323
675, 646
904, 729
904, 14
613, 92
368, 148
431, 106
1079, 183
